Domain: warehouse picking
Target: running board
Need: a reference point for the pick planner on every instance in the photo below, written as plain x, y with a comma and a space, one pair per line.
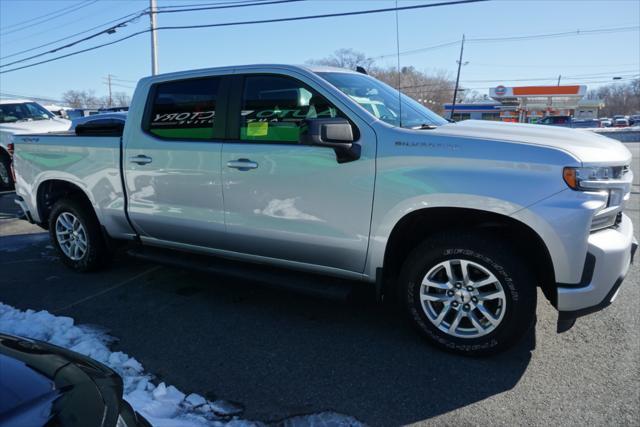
301, 282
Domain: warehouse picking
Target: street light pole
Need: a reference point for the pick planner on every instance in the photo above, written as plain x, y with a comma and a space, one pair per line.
455, 90
153, 7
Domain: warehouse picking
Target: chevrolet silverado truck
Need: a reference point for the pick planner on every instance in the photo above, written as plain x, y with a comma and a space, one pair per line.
22, 116
293, 171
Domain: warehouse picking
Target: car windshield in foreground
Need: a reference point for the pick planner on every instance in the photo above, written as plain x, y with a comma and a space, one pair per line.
383, 102
23, 112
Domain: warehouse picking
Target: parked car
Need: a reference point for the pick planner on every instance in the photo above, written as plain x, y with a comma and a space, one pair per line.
17, 117
606, 122
621, 123
634, 120
45, 385
555, 121
284, 168
570, 122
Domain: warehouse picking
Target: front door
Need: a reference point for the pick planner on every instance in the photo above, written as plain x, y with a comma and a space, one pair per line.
172, 165
290, 201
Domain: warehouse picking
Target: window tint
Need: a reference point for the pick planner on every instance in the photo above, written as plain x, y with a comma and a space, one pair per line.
185, 109
274, 108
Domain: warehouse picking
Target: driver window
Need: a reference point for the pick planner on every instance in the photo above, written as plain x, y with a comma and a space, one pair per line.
274, 108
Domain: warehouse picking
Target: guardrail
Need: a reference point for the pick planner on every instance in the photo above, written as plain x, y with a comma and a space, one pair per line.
621, 134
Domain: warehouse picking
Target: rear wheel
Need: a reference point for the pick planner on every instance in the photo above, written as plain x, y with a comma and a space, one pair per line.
468, 293
75, 232
6, 183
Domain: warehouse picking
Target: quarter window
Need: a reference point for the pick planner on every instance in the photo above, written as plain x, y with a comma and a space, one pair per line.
274, 108
185, 109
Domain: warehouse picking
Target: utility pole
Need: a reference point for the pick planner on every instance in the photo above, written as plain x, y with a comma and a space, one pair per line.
559, 77
455, 91
153, 7
109, 84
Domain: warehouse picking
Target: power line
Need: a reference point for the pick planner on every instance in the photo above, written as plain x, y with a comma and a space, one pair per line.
49, 17
138, 13
577, 32
228, 24
230, 6
208, 4
110, 30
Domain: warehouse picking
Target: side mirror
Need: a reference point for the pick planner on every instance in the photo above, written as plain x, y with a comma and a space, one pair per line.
336, 133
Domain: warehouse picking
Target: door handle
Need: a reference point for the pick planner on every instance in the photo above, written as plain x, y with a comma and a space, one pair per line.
242, 164
141, 159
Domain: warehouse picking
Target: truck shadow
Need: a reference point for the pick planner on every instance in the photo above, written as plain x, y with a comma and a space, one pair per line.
283, 354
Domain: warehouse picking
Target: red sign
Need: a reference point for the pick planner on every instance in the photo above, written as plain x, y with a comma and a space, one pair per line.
501, 90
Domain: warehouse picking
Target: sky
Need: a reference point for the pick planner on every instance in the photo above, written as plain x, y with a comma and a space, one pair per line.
589, 58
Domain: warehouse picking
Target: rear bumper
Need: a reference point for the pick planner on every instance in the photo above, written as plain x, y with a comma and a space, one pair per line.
25, 209
610, 253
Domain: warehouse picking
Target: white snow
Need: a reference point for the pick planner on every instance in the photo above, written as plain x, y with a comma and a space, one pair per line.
163, 405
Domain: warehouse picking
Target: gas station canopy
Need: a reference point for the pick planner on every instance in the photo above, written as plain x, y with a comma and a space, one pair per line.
530, 103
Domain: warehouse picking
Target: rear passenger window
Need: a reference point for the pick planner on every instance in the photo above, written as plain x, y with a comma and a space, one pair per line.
185, 109
274, 108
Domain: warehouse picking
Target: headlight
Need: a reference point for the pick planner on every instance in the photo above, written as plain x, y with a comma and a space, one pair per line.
591, 178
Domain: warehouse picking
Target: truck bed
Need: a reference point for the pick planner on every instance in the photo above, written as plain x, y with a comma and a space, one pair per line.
92, 163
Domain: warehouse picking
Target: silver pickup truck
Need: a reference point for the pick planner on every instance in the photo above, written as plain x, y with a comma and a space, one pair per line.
330, 173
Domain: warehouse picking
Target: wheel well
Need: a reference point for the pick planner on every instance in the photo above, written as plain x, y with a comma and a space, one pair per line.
49, 192
417, 226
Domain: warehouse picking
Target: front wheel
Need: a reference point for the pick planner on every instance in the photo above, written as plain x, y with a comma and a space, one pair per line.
468, 293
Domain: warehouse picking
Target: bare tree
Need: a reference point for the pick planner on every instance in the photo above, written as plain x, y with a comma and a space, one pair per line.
617, 98
81, 99
345, 58
121, 99
431, 90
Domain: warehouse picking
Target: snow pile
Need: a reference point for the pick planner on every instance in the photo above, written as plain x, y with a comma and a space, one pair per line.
163, 405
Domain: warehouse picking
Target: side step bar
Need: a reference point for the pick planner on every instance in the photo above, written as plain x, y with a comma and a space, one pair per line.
301, 282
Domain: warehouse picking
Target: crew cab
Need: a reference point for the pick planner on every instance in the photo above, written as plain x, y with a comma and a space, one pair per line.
22, 116
290, 169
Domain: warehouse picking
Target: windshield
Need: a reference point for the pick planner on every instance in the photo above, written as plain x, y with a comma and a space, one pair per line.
382, 101
23, 112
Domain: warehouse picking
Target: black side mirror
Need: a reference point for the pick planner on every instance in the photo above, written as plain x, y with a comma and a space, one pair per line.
336, 133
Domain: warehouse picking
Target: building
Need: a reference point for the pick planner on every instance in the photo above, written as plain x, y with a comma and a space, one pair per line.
489, 110
528, 104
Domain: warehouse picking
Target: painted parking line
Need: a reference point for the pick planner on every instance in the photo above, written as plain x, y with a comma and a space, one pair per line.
104, 291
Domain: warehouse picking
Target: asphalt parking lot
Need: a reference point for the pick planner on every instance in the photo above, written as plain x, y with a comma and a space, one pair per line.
281, 354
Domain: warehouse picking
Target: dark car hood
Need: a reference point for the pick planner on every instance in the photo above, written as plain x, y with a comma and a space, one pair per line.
41, 383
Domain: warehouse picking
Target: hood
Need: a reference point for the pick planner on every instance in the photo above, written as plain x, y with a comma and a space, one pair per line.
586, 146
36, 126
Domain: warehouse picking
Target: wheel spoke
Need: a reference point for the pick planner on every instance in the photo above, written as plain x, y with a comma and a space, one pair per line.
475, 321
464, 266
484, 296
437, 285
438, 320
448, 268
487, 314
484, 282
456, 322
435, 297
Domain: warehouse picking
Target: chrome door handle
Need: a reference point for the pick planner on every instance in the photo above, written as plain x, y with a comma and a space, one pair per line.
242, 164
141, 159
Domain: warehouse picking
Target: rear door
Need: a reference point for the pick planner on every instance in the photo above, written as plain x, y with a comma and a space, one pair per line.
286, 200
172, 165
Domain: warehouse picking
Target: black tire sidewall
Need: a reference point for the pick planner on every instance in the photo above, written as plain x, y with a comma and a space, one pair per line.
520, 291
6, 164
93, 258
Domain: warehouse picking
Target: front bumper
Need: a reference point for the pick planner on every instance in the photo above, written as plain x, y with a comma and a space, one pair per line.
610, 253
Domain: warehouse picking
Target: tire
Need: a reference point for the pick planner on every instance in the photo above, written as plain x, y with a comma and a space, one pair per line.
6, 182
87, 231
493, 316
